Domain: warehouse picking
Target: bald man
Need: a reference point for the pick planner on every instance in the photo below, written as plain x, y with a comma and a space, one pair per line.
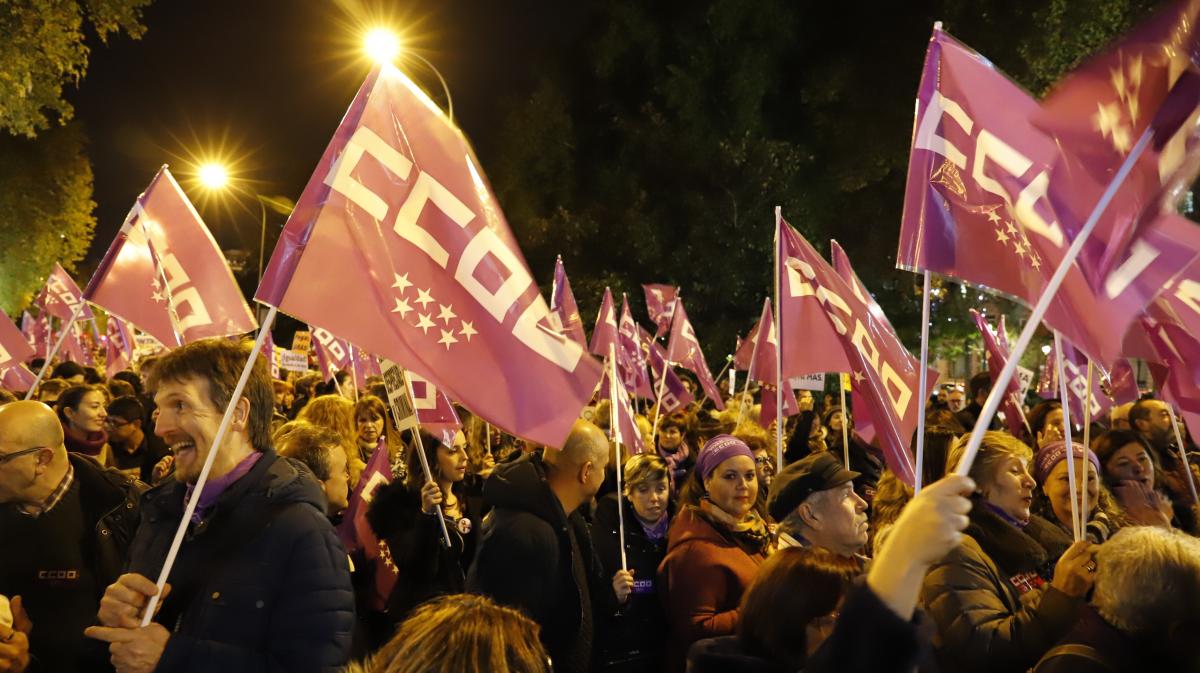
536, 551
66, 523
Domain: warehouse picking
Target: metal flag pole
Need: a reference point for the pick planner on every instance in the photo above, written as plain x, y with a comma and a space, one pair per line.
198, 489
1063, 392
1000, 385
924, 397
746, 385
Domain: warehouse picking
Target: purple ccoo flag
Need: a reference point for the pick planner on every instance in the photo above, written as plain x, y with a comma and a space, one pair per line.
605, 332
763, 369
119, 353
997, 355
660, 304
683, 348
61, 296
563, 306
631, 360
675, 393
14, 350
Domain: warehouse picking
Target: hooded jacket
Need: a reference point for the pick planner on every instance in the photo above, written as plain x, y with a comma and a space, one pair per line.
994, 609
702, 580
533, 556
261, 583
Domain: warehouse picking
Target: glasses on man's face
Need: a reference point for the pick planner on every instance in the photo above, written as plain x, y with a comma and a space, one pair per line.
5, 457
115, 422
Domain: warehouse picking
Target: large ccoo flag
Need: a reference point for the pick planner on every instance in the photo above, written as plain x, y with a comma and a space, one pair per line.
563, 306
61, 296
428, 272
837, 319
683, 348
165, 274
978, 206
675, 394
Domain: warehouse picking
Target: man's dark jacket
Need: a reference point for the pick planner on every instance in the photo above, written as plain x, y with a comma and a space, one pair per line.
525, 559
261, 584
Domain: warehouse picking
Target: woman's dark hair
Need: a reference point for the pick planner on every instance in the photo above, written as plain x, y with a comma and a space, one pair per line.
797, 446
416, 473
692, 491
92, 376
131, 378
938, 440
372, 404
71, 398
793, 587
946, 418
67, 370
1037, 418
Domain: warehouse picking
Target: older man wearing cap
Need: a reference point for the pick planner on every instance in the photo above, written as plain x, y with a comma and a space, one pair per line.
815, 504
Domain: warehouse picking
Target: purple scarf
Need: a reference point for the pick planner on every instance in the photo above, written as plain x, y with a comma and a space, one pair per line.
1006, 516
656, 531
213, 488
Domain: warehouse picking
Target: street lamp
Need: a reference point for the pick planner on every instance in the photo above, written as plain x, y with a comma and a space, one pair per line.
383, 46
213, 176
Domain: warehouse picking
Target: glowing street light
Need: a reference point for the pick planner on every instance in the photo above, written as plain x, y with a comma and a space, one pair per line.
382, 45
213, 176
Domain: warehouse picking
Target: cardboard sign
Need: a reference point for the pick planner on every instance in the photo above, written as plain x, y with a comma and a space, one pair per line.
808, 382
397, 392
292, 360
302, 341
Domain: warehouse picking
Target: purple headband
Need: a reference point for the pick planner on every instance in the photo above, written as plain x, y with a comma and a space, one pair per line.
719, 449
1054, 453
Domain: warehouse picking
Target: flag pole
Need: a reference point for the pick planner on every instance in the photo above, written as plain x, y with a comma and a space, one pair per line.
1063, 392
845, 420
353, 370
66, 329
921, 393
728, 361
1187, 469
662, 382
1000, 386
746, 385
416, 433
779, 415
198, 489
1087, 446
615, 432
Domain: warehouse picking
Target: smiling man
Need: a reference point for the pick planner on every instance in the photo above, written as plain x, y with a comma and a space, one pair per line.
261, 582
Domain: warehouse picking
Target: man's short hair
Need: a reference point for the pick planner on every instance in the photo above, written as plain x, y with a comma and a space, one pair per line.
1140, 411
309, 444
220, 361
53, 386
1148, 580
131, 378
119, 388
980, 383
67, 370
127, 407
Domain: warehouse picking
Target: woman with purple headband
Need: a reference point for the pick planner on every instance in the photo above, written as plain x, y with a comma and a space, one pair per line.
1052, 499
714, 548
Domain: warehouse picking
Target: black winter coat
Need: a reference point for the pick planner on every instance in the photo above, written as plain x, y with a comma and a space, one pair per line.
112, 501
637, 632
261, 584
426, 568
526, 559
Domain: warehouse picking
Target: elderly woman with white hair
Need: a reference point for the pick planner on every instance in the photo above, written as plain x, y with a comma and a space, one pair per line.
1143, 614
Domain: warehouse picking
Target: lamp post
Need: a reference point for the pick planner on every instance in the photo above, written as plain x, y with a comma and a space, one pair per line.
383, 46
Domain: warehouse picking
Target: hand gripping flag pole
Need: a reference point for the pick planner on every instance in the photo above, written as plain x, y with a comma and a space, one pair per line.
920, 457
1000, 386
1063, 391
416, 433
66, 330
222, 429
615, 430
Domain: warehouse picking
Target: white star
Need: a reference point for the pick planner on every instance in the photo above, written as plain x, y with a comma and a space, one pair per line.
424, 322
1107, 118
158, 297
402, 283
995, 219
859, 378
402, 307
155, 284
468, 330
1034, 261
1012, 229
445, 314
1001, 236
423, 297
1021, 249
447, 338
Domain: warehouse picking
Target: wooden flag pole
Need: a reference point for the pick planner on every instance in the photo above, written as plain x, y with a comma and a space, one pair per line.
416, 433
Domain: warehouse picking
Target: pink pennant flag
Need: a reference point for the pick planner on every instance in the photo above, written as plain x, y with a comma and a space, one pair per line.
605, 332
72, 347
333, 354
17, 378
36, 332
268, 353
621, 405
631, 360
997, 356
660, 304
675, 394
434, 410
365, 365
14, 350
354, 530
119, 352
61, 296
684, 348
882, 368
743, 353
763, 368
984, 204
429, 274
1122, 383
165, 274
563, 306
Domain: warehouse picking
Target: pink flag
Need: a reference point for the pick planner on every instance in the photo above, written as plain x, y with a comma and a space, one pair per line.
763, 368
1122, 383
1075, 368
73, 349
434, 410
631, 360
743, 353
119, 352
14, 350
660, 304
61, 296
429, 274
562, 305
16, 378
36, 332
675, 395
356, 533
979, 206
882, 368
622, 407
605, 332
333, 354
165, 274
268, 353
684, 348
997, 357
364, 365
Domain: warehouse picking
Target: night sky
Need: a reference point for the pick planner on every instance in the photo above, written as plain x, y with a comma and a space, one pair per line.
269, 80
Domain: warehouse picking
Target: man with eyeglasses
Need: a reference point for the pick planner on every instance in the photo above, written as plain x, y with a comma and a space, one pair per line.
66, 523
133, 450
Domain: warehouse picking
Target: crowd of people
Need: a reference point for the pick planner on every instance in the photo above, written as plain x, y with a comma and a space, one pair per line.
479, 551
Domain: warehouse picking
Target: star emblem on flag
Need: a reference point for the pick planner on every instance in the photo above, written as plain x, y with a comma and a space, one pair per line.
1115, 120
1011, 232
425, 319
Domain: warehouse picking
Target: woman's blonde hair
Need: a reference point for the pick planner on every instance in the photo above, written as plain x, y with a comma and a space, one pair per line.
463, 633
996, 448
643, 468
